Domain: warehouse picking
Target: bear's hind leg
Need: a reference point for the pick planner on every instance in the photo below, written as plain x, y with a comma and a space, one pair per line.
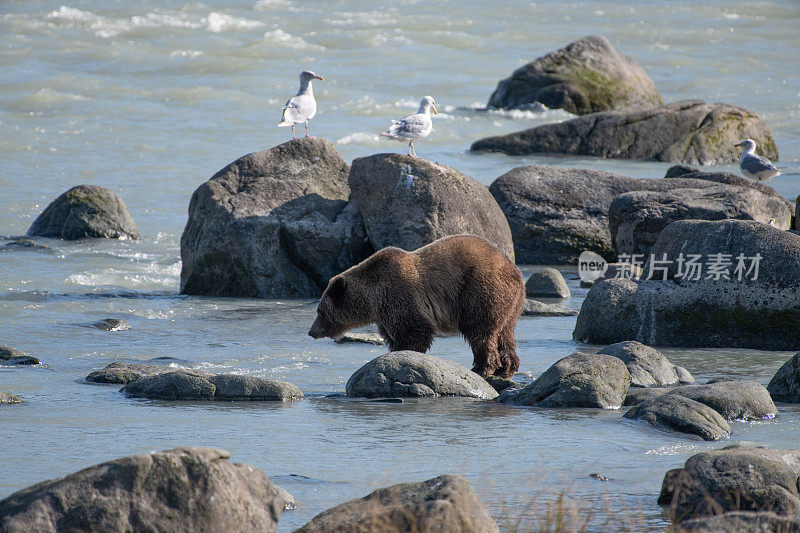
486, 359
507, 346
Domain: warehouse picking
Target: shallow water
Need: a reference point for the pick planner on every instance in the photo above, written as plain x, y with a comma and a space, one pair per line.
150, 99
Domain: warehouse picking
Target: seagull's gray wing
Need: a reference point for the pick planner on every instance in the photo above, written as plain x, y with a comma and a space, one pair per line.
755, 164
411, 127
299, 108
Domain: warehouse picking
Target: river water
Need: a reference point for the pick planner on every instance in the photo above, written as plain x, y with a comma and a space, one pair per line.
151, 98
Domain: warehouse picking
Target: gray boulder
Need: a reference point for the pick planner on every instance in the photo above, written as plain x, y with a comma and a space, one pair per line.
585, 76
409, 202
637, 395
678, 413
85, 211
124, 373
413, 374
443, 504
761, 313
361, 338
272, 224
534, 308
635, 219
6, 398
785, 384
738, 521
737, 478
726, 178
190, 385
734, 400
578, 380
12, 356
689, 131
547, 283
648, 366
556, 213
185, 489
111, 324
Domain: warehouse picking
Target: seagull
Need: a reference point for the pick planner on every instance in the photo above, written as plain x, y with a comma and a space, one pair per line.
302, 107
413, 126
754, 166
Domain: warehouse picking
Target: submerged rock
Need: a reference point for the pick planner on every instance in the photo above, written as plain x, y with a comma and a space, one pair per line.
85, 211
678, 413
737, 478
190, 385
739, 521
585, 76
637, 218
12, 356
180, 490
272, 224
111, 324
760, 313
648, 366
547, 283
534, 308
785, 384
6, 398
124, 373
442, 504
411, 374
363, 338
409, 202
689, 131
578, 380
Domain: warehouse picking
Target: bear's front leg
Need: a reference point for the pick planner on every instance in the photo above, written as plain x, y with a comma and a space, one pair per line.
411, 333
486, 359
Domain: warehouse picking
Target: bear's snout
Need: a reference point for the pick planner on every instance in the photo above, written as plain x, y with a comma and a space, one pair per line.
316, 330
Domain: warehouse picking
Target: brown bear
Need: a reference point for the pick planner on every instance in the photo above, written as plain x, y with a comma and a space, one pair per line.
455, 284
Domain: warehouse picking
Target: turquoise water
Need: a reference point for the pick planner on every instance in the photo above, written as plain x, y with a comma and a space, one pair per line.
150, 99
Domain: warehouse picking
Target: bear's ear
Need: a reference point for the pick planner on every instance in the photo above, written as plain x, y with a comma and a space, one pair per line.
338, 286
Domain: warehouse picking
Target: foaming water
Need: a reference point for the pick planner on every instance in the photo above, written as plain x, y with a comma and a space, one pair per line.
151, 99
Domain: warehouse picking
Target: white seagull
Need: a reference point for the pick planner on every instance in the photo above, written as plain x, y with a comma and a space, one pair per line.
754, 166
301, 107
413, 126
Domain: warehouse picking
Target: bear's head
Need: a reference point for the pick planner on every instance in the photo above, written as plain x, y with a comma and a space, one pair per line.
341, 309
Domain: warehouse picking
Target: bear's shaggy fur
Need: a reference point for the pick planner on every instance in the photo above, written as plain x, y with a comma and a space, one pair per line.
455, 284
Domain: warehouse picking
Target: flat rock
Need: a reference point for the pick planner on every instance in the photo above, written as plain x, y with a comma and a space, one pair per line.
555, 213
111, 324
6, 398
273, 224
696, 309
578, 380
678, 413
785, 384
85, 211
180, 490
413, 374
648, 366
727, 178
408, 202
12, 356
585, 76
534, 308
547, 283
635, 219
737, 478
124, 373
363, 338
189, 385
734, 400
738, 521
689, 131
445, 504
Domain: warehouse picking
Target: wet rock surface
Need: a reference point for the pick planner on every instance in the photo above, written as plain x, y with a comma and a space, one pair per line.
547, 283
678, 413
12, 356
414, 374
111, 324
535, 308
785, 384
442, 504
648, 366
189, 385
6, 398
181, 490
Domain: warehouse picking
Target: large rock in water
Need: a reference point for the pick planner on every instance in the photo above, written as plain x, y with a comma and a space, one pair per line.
737, 478
689, 131
636, 218
409, 202
272, 224
762, 313
578, 380
648, 366
185, 489
194, 385
739, 521
678, 413
413, 374
85, 211
585, 76
556, 213
785, 384
12, 356
445, 504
